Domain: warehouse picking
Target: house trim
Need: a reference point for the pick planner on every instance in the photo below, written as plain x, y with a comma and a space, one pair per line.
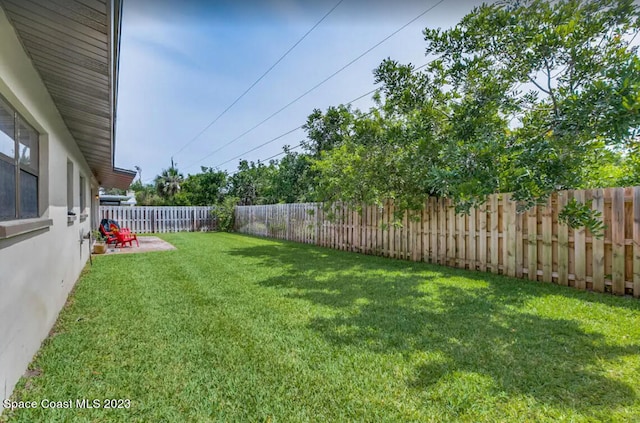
11, 228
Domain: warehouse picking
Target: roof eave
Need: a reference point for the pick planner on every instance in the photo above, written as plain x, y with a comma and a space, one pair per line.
75, 49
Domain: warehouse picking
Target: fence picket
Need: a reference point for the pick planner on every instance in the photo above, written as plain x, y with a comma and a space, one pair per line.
424, 233
433, 228
461, 250
504, 229
511, 243
617, 239
532, 243
547, 246
494, 233
373, 210
343, 228
482, 245
451, 235
580, 248
636, 241
390, 220
563, 242
472, 240
519, 242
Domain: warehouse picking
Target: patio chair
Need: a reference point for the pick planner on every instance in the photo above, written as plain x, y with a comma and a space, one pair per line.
106, 232
117, 234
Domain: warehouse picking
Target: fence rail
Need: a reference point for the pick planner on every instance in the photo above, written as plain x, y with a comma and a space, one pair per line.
161, 219
492, 238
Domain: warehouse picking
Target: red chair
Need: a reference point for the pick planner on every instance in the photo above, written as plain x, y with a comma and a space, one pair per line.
109, 236
117, 235
123, 236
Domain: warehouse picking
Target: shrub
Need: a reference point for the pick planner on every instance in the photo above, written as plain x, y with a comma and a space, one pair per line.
224, 213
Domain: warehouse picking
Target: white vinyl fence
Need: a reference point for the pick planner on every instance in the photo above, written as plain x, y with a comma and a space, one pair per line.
147, 219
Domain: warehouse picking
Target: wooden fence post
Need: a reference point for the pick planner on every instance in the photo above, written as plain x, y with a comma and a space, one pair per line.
580, 249
495, 233
598, 245
617, 240
547, 251
636, 242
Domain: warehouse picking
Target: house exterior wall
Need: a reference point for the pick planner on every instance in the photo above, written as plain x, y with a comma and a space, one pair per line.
38, 269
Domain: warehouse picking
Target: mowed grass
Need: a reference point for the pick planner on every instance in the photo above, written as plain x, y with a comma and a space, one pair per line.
235, 328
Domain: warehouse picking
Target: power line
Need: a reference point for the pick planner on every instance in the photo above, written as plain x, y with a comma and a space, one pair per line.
291, 131
295, 147
325, 80
282, 135
259, 79
295, 129
282, 152
261, 145
273, 139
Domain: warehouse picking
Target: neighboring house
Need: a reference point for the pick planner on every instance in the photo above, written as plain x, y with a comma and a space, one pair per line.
58, 88
129, 199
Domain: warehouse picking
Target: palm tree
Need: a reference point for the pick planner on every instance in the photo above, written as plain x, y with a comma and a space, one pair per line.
169, 181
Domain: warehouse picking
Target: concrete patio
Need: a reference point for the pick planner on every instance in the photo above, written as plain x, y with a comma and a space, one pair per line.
147, 244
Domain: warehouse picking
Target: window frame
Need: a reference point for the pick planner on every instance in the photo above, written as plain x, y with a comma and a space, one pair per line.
83, 195
32, 168
71, 204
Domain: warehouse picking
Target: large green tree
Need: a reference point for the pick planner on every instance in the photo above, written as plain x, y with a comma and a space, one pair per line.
205, 188
292, 181
326, 131
250, 184
525, 97
562, 75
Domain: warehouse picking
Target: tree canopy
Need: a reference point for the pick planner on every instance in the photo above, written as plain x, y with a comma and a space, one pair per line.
525, 97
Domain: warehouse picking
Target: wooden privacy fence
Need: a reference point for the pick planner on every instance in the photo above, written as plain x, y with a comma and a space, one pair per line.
161, 219
492, 238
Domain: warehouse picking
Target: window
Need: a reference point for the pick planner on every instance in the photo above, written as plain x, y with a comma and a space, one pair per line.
82, 191
69, 186
19, 161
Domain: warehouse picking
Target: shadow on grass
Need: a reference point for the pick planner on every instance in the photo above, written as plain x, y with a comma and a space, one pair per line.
467, 322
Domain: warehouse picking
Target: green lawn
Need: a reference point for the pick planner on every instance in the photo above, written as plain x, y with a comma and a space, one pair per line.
235, 328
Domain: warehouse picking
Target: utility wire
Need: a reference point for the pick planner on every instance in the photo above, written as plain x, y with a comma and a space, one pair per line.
295, 129
261, 145
282, 152
325, 80
295, 147
290, 131
258, 80
273, 139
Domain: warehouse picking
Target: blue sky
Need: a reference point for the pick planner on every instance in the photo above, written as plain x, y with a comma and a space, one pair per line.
183, 63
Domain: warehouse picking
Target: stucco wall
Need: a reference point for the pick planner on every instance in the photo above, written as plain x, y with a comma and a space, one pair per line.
39, 269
